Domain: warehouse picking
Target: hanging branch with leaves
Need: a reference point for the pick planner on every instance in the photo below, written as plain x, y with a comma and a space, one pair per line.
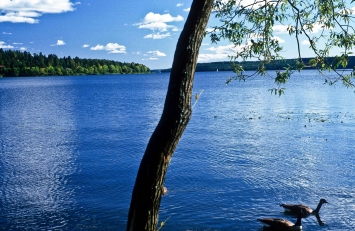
251, 25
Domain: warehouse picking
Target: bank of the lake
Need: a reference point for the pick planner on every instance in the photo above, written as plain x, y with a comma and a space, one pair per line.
254, 65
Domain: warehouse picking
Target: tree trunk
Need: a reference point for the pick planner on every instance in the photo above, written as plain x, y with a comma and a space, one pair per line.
147, 192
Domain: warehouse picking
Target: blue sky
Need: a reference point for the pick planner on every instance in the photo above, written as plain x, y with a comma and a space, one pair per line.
138, 31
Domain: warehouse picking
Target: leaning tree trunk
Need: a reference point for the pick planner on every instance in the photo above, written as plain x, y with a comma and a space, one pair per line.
147, 192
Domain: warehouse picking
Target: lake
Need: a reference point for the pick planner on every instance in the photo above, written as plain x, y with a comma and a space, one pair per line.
70, 148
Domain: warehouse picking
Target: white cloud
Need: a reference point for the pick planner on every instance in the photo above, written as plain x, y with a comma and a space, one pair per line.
157, 35
280, 40
117, 51
316, 27
305, 42
280, 29
154, 55
209, 29
160, 26
228, 49
349, 11
158, 22
209, 57
152, 17
59, 43
179, 4
112, 48
98, 48
12, 17
4, 46
218, 53
6, 33
27, 11
257, 36
86, 45
187, 9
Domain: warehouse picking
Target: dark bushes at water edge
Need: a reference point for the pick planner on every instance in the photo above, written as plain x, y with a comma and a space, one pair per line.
17, 63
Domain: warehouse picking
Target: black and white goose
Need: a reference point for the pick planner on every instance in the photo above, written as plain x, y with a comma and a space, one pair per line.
294, 208
283, 224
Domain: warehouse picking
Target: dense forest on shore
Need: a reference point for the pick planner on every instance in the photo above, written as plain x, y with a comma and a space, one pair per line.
18, 63
253, 65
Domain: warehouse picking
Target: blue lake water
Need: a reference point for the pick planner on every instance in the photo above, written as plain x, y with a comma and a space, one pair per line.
70, 148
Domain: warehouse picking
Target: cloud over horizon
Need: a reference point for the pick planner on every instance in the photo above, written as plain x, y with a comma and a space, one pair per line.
154, 55
27, 11
4, 46
112, 48
313, 29
159, 23
59, 43
157, 35
218, 53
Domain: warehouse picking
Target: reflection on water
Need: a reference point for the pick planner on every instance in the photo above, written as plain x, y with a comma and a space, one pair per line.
70, 149
37, 157
248, 151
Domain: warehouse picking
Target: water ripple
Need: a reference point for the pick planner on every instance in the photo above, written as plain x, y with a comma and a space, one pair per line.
70, 150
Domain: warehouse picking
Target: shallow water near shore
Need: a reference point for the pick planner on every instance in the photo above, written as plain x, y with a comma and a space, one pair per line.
70, 148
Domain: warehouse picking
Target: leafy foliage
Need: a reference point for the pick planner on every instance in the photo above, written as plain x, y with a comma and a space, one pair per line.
250, 26
17, 63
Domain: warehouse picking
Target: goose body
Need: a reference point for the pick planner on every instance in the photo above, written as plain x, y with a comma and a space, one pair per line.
294, 208
282, 224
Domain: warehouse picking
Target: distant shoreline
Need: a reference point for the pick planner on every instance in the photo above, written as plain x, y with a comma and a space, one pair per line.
252, 65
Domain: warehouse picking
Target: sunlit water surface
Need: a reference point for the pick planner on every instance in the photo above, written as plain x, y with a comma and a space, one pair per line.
70, 148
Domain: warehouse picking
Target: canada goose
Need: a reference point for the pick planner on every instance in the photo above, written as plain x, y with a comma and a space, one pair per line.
282, 224
306, 210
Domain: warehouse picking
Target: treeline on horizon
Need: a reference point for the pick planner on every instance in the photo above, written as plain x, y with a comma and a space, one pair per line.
14, 63
253, 65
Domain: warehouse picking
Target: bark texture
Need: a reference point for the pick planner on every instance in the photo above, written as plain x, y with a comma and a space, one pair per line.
148, 188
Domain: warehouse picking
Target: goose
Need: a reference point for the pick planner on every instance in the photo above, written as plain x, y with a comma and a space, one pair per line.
306, 210
283, 224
